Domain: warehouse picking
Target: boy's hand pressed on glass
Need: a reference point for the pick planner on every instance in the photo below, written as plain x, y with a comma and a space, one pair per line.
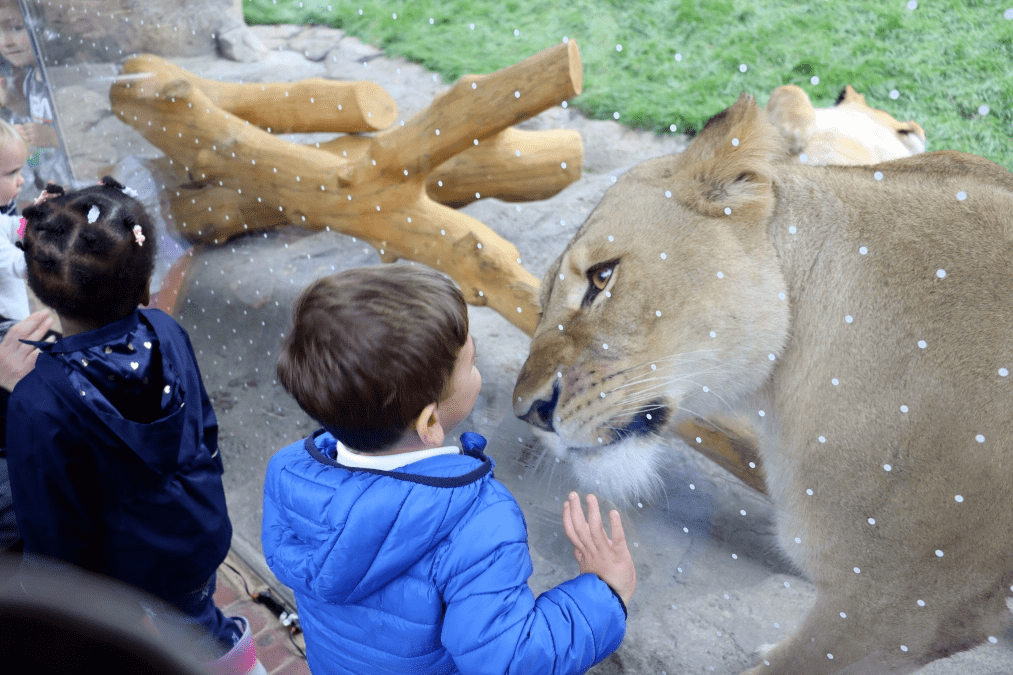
595, 552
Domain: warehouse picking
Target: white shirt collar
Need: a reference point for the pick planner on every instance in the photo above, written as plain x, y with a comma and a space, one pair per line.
345, 457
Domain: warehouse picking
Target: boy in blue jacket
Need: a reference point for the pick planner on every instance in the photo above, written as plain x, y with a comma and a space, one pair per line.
405, 555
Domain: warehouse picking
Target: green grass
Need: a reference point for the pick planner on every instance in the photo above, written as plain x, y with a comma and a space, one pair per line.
944, 60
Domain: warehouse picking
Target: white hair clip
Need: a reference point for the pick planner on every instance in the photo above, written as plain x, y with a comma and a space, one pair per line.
138, 236
130, 192
93, 214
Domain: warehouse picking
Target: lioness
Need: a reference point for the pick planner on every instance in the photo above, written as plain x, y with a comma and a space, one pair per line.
862, 317
849, 133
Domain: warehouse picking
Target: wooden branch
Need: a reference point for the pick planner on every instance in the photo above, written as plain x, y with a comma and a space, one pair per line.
283, 107
486, 104
513, 165
730, 448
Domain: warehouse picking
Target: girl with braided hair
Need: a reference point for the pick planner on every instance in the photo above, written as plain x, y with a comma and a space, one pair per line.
112, 444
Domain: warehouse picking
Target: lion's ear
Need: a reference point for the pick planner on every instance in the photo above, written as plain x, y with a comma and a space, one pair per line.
730, 162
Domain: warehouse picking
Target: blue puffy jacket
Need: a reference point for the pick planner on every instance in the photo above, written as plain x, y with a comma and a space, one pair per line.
422, 570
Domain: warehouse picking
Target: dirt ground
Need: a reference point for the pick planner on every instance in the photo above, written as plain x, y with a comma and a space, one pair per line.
711, 588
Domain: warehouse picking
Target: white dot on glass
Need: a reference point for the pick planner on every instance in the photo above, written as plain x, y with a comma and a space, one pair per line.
959, 499
814, 79
611, 238
857, 570
939, 554
798, 540
713, 334
721, 275
672, 128
771, 357
517, 33
809, 491
664, 256
979, 438
657, 313
983, 110
604, 346
887, 467
863, 250
903, 408
668, 193
993, 639
961, 196
872, 521
923, 344
560, 326
743, 67
903, 648
781, 296
848, 318
843, 615
941, 273
619, 48
792, 229
678, 57
878, 175
615, 115
728, 211
921, 603
562, 164
1003, 372
762, 414
823, 439
894, 94
834, 381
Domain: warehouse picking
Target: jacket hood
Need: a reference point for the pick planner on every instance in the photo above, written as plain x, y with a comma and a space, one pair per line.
341, 534
123, 372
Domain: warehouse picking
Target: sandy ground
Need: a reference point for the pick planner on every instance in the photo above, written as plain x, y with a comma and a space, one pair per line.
711, 584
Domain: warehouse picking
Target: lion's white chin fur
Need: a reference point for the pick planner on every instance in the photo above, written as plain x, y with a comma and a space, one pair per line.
621, 472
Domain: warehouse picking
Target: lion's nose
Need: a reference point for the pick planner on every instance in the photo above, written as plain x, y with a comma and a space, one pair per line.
539, 412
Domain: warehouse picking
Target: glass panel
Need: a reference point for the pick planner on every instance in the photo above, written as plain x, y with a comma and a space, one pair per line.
712, 585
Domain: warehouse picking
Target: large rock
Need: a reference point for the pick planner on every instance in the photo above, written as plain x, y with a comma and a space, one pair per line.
109, 30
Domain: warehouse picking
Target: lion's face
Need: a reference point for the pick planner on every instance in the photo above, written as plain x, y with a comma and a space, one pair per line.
663, 306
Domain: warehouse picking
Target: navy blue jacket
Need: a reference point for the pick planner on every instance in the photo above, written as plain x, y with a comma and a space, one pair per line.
422, 570
112, 448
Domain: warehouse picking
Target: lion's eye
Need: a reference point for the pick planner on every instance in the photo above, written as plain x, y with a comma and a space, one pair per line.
598, 278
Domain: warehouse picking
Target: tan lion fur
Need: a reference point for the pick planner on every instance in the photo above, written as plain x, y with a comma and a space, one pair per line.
836, 295
849, 133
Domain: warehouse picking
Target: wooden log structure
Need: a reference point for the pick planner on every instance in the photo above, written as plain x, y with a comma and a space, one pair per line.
389, 189
239, 177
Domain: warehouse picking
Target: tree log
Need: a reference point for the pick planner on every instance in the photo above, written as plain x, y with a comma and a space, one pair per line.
513, 165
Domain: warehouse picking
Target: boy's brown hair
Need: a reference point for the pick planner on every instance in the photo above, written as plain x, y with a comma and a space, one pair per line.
370, 348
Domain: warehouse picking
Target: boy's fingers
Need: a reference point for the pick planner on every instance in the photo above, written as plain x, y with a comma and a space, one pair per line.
618, 534
570, 522
593, 514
